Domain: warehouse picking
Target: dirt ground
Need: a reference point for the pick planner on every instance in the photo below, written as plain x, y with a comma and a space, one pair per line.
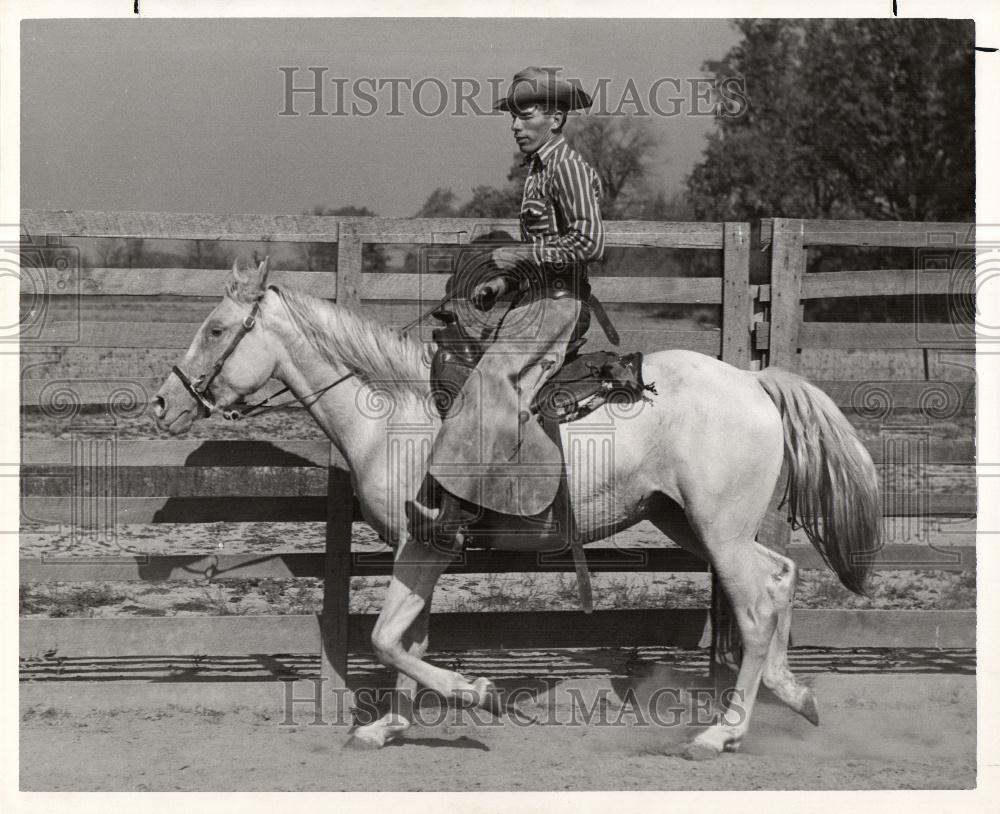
877, 732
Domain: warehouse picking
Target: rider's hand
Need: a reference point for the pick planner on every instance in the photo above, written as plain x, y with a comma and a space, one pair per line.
487, 293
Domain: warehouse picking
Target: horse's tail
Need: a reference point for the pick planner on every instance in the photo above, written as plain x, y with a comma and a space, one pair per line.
832, 489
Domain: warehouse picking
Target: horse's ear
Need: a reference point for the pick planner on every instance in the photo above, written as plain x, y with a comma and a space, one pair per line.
239, 272
245, 284
262, 272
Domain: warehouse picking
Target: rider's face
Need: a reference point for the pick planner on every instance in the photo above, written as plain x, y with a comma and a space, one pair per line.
533, 126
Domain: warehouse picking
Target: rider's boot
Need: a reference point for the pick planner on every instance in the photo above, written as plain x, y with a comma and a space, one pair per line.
445, 526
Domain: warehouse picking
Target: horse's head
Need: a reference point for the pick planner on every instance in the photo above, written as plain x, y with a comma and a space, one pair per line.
229, 357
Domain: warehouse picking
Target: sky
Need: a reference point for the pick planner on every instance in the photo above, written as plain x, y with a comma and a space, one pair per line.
183, 115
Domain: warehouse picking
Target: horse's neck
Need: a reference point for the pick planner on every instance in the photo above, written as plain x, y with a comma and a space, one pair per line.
355, 415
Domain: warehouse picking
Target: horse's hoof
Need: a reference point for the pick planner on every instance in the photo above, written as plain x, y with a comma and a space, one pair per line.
356, 744
489, 697
699, 751
809, 710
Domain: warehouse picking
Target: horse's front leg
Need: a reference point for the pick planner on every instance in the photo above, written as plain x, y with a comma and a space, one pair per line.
400, 717
400, 643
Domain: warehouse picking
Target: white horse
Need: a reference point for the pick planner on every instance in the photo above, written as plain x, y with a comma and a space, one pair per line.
711, 442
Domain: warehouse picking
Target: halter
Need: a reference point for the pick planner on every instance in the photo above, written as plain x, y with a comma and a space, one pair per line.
198, 389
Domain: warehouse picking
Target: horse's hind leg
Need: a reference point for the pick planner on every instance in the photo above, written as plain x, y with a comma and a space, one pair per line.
778, 677
744, 576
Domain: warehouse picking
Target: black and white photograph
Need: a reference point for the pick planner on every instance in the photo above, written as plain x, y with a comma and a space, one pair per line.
500, 403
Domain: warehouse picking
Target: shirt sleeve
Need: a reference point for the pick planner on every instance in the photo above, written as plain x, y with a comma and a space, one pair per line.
578, 200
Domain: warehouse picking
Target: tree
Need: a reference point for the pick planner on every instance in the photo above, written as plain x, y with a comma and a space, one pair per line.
623, 151
439, 204
846, 119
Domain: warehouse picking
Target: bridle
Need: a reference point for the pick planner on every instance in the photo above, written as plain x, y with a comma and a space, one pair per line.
199, 388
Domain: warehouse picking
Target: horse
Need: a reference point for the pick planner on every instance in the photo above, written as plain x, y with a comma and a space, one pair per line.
700, 458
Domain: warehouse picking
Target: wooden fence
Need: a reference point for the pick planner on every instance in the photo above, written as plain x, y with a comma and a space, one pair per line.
91, 482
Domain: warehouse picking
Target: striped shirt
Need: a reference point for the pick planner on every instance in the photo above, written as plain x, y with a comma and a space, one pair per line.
560, 210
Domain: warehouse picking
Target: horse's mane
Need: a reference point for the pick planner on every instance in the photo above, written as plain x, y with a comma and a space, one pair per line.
378, 355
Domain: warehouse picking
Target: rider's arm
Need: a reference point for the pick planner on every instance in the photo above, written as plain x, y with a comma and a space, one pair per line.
578, 200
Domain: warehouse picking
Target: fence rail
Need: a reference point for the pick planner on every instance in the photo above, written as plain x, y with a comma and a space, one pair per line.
165, 481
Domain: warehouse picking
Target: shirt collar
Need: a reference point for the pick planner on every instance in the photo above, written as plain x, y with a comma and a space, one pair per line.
543, 152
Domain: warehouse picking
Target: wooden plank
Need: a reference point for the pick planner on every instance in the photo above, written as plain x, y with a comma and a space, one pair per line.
873, 335
908, 504
243, 635
879, 233
126, 393
286, 565
884, 628
194, 635
48, 511
460, 231
440, 231
65, 511
677, 235
736, 306
431, 287
169, 567
186, 452
950, 397
211, 283
289, 565
179, 482
179, 335
426, 288
885, 336
313, 228
182, 226
708, 342
349, 264
173, 281
170, 335
880, 283
931, 450
899, 557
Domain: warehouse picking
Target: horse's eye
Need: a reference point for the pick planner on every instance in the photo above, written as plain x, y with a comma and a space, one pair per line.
215, 331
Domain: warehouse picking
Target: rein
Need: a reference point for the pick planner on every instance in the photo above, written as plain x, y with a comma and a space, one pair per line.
199, 387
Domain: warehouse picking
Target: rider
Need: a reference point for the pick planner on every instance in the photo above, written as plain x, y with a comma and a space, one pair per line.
475, 456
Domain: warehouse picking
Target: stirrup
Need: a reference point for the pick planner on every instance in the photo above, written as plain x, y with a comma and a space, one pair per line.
446, 528
451, 526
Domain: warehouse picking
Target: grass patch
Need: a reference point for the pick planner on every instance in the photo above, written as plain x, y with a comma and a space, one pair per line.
890, 590
62, 601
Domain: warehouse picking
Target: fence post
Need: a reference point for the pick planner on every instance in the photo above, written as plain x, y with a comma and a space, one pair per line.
737, 315
736, 301
788, 264
350, 259
335, 615
335, 619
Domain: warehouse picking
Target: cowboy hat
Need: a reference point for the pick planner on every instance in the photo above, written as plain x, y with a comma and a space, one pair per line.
541, 86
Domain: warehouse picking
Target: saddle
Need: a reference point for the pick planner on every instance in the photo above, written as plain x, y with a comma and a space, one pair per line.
583, 383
